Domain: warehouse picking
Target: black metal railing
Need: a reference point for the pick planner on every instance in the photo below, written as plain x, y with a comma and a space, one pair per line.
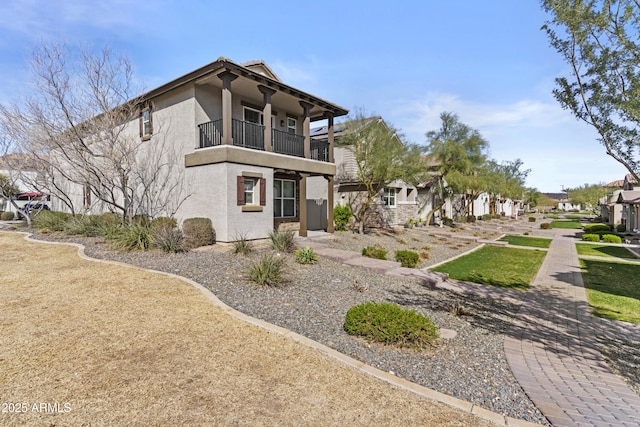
247, 134
210, 133
251, 135
288, 143
320, 150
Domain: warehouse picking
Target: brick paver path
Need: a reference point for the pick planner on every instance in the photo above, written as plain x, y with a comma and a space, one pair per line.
553, 354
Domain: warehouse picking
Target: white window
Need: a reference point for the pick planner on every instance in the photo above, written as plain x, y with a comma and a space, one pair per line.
284, 198
249, 191
253, 116
291, 125
145, 123
389, 197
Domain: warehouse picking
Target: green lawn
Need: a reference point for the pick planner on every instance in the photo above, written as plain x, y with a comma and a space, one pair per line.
496, 266
535, 242
566, 224
604, 250
613, 289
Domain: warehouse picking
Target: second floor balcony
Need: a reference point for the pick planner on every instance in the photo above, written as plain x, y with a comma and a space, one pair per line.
252, 135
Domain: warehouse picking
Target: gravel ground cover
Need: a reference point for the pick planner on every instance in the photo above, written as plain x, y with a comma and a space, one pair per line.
314, 299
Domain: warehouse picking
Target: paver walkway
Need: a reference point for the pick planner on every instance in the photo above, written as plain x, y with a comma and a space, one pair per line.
552, 350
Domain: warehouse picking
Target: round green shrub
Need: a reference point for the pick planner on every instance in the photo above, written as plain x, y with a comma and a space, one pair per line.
6, 216
597, 228
407, 258
532, 219
198, 232
390, 324
591, 237
486, 217
341, 216
611, 238
545, 225
621, 228
376, 251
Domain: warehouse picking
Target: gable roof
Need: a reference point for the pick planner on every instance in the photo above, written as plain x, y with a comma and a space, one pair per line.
629, 197
257, 71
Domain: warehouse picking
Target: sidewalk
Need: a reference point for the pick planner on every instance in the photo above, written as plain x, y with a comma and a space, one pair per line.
552, 349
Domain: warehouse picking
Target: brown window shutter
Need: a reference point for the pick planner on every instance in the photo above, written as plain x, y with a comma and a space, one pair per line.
140, 123
263, 192
240, 192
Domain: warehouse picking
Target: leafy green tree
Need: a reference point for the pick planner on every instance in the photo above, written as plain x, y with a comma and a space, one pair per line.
381, 157
587, 195
506, 179
532, 197
460, 152
600, 42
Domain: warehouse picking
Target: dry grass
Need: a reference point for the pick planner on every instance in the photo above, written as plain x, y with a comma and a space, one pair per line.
126, 347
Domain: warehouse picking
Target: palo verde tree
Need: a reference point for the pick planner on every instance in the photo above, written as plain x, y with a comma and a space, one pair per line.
380, 157
599, 39
506, 179
80, 126
460, 153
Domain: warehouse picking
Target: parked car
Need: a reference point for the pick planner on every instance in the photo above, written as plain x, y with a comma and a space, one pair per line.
30, 207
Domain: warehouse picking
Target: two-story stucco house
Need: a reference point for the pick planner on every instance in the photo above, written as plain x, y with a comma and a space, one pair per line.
242, 138
629, 199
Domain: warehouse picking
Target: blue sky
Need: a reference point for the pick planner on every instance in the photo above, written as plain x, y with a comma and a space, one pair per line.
407, 61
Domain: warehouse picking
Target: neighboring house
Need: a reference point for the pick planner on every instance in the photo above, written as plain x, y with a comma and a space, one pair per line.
396, 204
23, 175
610, 209
243, 138
629, 200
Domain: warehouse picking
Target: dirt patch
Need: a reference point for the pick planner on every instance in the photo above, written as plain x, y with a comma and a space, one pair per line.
110, 345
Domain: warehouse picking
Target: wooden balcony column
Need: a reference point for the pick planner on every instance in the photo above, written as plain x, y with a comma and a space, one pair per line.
303, 205
330, 227
227, 134
306, 128
330, 137
267, 93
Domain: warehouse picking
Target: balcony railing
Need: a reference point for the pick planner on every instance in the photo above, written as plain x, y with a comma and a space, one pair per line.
320, 150
251, 135
247, 134
288, 143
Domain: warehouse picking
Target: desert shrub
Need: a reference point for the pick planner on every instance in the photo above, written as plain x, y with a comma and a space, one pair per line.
545, 225
390, 324
133, 237
486, 217
169, 239
141, 219
306, 255
597, 228
6, 216
110, 230
611, 238
164, 221
407, 258
267, 271
90, 225
241, 245
532, 219
341, 216
470, 218
282, 240
591, 237
621, 228
53, 221
198, 232
376, 251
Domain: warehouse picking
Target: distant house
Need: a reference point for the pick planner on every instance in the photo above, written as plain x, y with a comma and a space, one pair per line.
610, 209
243, 142
23, 175
629, 200
397, 202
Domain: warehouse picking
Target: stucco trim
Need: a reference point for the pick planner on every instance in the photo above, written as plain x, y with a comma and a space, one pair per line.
247, 156
251, 208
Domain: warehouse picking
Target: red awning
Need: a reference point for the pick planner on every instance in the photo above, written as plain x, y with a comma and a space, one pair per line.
30, 195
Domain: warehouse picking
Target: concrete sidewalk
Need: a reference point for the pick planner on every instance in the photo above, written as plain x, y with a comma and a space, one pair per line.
553, 353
